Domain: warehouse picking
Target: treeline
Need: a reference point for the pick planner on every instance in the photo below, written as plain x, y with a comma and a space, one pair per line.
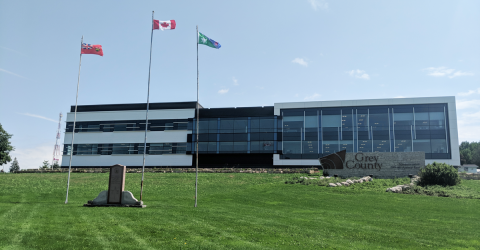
470, 153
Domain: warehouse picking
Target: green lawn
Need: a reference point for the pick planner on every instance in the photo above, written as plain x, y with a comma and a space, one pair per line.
235, 211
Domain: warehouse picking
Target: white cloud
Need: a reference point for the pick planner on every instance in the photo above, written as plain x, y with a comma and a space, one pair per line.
11, 73
462, 104
318, 4
235, 81
359, 74
223, 91
444, 71
38, 116
476, 91
12, 50
300, 61
312, 97
30, 158
460, 73
468, 126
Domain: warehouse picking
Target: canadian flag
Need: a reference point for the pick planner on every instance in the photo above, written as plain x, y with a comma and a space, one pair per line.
164, 25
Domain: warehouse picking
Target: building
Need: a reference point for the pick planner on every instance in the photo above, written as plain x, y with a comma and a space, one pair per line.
468, 168
285, 135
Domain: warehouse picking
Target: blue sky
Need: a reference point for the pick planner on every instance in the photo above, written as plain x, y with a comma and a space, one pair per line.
272, 51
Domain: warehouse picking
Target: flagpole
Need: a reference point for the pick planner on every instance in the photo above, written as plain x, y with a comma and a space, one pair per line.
146, 118
74, 121
198, 121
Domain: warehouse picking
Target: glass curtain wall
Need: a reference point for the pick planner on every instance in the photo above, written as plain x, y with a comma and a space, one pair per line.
236, 135
313, 133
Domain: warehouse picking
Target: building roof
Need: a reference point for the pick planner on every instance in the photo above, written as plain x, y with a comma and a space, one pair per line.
135, 106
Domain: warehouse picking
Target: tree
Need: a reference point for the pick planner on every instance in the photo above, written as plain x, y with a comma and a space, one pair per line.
5, 146
55, 165
45, 165
470, 153
15, 166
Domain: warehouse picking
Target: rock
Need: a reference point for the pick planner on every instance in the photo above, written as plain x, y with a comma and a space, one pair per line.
349, 181
338, 184
128, 199
345, 183
312, 178
405, 187
395, 189
331, 185
360, 181
321, 177
328, 177
101, 198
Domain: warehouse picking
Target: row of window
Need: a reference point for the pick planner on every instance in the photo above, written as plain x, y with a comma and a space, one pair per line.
126, 148
237, 125
235, 147
429, 146
131, 125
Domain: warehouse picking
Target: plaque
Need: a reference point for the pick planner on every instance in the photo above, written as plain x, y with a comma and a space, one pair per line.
116, 184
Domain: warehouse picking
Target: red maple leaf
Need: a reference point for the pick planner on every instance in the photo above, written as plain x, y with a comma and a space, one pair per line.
164, 24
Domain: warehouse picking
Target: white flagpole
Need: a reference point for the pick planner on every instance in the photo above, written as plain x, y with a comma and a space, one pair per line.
146, 118
74, 121
198, 118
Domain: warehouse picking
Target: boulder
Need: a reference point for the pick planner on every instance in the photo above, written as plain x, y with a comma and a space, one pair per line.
394, 189
332, 185
360, 181
345, 183
349, 181
321, 177
338, 184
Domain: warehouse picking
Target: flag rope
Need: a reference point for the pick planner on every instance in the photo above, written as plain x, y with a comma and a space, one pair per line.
74, 121
146, 118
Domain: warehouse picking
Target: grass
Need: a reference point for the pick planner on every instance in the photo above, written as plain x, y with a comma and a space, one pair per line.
235, 211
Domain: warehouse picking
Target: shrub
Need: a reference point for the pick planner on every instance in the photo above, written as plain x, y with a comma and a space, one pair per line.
439, 174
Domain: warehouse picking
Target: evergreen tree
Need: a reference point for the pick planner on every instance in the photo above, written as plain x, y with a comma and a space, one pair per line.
45, 165
55, 165
15, 166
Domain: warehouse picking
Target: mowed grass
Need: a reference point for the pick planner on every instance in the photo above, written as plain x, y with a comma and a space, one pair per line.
235, 211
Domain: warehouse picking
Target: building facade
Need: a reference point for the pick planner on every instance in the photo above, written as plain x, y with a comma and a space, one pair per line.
279, 136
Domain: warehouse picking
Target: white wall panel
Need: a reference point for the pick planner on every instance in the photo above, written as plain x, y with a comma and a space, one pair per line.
126, 137
294, 162
128, 160
132, 115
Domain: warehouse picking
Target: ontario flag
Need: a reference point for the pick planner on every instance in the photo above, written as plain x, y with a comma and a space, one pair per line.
92, 49
164, 25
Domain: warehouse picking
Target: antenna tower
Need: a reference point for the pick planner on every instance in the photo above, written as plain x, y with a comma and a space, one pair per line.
56, 149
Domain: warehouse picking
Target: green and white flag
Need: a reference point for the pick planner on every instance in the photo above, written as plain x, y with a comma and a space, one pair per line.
203, 39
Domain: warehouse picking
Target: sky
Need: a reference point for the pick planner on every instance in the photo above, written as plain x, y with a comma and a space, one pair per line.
272, 51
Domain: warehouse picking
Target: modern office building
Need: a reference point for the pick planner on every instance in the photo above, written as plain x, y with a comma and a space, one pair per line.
285, 135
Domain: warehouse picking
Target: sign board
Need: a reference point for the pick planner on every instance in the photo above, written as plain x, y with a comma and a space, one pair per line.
378, 164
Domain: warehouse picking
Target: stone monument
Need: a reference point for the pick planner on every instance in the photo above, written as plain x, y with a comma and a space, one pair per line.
116, 184
116, 196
